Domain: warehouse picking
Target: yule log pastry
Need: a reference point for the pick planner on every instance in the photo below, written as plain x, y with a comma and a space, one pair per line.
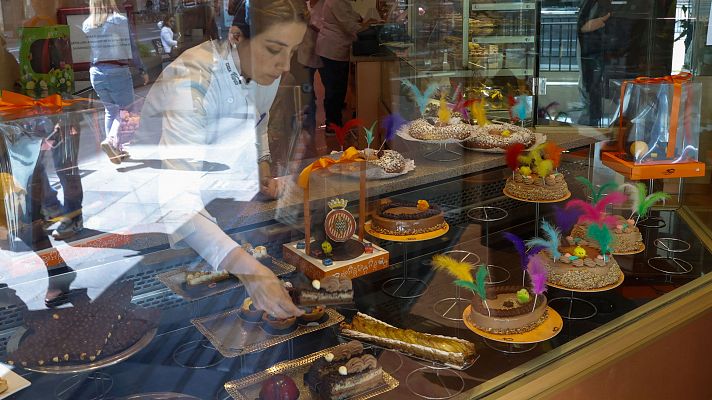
447, 350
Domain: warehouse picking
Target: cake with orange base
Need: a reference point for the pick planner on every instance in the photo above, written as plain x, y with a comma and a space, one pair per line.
534, 176
405, 219
508, 310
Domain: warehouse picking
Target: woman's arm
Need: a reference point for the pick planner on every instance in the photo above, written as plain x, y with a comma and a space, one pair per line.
167, 37
349, 20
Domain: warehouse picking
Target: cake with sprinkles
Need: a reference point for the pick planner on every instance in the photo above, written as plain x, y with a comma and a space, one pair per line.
581, 266
535, 175
403, 218
390, 161
627, 238
499, 136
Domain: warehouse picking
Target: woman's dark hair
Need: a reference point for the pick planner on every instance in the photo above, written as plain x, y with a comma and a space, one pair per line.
167, 21
256, 16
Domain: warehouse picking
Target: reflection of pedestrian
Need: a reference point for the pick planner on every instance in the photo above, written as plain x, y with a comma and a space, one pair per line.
167, 35
592, 18
339, 26
213, 105
109, 73
306, 55
63, 146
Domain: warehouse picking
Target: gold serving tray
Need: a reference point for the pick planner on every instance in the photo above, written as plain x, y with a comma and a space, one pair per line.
175, 281
234, 336
248, 388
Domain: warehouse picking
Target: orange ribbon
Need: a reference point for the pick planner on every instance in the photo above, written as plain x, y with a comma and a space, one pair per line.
350, 155
15, 103
676, 81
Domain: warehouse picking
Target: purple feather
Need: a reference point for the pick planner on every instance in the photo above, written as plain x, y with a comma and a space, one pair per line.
534, 250
392, 123
519, 246
566, 218
537, 273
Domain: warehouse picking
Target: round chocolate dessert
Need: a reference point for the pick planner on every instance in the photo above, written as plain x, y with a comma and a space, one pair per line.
403, 219
430, 129
506, 312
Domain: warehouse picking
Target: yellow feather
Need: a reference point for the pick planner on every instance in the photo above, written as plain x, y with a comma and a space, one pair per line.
477, 108
459, 270
443, 112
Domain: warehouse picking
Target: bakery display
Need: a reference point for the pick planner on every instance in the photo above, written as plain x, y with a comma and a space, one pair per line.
279, 324
84, 333
499, 137
279, 387
195, 278
582, 267
390, 161
249, 312
576, 264
627, 238
343, 372
330, 290
404, 219
507, 310
447, 350
313, 314
432, 130
534, 176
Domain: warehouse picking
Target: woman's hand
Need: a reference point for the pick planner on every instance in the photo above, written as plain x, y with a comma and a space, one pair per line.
267, 292
145, 78
595, 24
272, 187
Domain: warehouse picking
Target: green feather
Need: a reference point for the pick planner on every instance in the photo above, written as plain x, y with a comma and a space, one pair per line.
466, 284
602, 235
602, 190
642, 194
650, 200
582, 180
369, 134
480, 281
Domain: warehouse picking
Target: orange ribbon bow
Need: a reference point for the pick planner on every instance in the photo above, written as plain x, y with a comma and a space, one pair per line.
350, 155
15, 103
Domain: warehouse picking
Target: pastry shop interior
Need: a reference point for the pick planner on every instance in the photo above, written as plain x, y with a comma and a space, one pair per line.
499, 199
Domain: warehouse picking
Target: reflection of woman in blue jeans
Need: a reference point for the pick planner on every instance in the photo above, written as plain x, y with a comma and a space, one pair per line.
109, 38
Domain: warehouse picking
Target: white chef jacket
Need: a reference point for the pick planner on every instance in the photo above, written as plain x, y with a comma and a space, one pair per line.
213, 128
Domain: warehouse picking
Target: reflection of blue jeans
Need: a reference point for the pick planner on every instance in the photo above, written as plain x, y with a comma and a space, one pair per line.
310, 115
114, 86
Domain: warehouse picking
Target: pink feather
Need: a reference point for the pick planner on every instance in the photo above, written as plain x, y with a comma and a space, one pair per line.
537, 273
610, 198
590, 213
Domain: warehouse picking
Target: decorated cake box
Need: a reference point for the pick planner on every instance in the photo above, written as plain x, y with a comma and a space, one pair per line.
314, 267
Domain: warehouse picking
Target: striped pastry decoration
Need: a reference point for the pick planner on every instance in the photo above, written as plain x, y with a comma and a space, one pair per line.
340, 224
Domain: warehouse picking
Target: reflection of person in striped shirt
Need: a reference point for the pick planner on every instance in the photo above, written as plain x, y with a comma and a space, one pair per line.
210, 109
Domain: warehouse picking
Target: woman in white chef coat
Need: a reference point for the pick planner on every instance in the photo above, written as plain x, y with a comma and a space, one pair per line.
211, 107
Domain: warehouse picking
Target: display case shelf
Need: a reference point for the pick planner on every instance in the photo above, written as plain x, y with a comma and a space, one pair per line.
503, 6
503, 39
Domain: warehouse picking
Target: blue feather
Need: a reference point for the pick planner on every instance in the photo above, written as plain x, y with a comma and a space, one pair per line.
566, 218
422, 98
392, 123
369, 134
552, 241
520, 109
